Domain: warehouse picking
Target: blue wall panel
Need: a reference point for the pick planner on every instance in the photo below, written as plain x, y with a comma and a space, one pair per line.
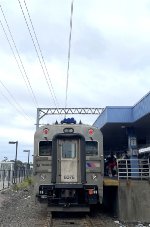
114, 115
142, 108
119, 114
101, 120
124, 114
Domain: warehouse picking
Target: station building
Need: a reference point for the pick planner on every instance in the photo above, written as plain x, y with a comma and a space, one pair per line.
126, 129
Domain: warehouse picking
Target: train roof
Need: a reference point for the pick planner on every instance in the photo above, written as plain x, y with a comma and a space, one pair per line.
50, 130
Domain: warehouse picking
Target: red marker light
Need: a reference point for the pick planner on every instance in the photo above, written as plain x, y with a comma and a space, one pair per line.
91, 131
45, 131
90, 191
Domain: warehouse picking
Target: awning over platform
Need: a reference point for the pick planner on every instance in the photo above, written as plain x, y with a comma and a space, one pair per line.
115, 121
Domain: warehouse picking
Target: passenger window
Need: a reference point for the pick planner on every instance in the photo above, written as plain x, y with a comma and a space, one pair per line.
45, 148
91, 148
68, 150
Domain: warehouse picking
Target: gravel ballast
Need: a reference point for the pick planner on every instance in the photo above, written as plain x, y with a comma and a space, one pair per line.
18, 209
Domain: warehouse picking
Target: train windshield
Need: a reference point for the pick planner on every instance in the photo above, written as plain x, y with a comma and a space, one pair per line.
45, 148
91, 148
68, 150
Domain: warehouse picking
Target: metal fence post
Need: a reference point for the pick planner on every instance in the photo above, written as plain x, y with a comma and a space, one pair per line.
8, 178
3, 179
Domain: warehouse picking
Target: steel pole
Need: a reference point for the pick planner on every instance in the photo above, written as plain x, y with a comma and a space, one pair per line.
16, 162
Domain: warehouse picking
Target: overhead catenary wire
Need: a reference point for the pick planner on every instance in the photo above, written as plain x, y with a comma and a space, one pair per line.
69, 50
17, 106
42, 57
27, 81
36, 50
13, 53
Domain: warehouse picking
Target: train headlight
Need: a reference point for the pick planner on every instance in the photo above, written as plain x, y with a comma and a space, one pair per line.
43, 177
68, 130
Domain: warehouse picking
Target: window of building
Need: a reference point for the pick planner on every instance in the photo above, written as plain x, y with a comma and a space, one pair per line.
91, 148
45, 148
68, 150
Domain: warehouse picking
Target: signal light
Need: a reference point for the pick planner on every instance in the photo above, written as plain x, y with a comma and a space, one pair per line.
45, 131
90, 191
91, 131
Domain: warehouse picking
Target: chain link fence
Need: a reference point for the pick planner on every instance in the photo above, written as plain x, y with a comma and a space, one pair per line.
9, 177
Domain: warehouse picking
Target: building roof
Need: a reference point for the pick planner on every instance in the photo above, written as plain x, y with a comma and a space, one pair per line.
115, 120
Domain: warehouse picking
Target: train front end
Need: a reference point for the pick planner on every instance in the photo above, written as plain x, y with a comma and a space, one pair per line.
68, 167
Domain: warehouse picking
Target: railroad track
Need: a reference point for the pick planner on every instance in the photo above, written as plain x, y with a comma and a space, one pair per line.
74, 220
84, 221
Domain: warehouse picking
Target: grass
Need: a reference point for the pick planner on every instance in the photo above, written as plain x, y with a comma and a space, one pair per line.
23, 185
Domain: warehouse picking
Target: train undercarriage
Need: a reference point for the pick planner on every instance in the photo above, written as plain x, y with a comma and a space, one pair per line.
72, 197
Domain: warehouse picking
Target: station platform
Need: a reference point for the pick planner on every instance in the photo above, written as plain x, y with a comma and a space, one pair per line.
128, 199
110, 181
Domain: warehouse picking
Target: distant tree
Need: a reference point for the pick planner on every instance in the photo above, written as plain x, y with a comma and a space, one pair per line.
5, 159
19, 163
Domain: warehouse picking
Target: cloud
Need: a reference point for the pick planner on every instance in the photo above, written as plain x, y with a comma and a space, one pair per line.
109, 62
90, 44
17, 134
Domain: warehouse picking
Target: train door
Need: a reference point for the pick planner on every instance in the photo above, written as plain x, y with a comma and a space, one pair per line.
68, 165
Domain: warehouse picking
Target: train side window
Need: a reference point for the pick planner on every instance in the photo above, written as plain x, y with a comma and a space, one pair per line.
45, 148
68, 150
91, 148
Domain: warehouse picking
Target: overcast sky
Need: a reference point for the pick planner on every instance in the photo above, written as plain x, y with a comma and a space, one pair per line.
109, 63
